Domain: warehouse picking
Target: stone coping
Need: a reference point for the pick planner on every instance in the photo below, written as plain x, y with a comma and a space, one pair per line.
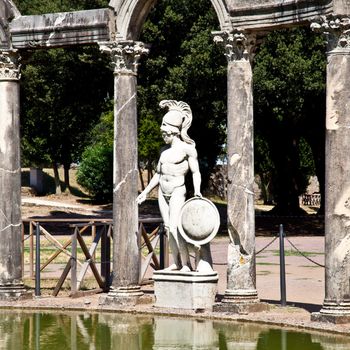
292, 318
190, 277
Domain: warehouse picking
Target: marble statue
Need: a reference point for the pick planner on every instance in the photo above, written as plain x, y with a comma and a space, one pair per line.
176, 159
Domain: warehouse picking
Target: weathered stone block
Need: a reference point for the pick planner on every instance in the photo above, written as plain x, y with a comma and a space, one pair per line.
258, 14
61, 29
329, 318
185, 290
341, 7
241, 308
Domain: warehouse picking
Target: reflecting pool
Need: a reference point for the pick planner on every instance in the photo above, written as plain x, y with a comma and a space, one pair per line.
80, 331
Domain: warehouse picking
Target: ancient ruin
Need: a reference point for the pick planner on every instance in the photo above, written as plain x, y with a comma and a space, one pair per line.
243, 23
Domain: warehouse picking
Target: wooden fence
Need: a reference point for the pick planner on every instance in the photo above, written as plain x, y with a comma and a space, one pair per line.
153, 249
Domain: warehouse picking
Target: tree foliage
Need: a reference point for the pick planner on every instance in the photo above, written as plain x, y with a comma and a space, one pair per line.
289, 92
63, 94
95, 172
183, 64
36, 7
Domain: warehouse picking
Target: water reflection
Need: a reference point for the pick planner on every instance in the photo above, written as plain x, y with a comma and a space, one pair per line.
51, 331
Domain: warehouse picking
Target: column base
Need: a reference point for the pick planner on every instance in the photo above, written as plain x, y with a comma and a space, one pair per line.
131, 295
241, 302
332, 312
12, 292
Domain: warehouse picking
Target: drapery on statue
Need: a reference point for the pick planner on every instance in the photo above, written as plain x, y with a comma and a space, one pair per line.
176, 159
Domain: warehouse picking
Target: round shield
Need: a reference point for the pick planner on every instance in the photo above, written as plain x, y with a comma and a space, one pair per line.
199, 221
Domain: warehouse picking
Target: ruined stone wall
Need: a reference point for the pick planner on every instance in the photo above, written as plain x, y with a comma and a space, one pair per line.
270, 14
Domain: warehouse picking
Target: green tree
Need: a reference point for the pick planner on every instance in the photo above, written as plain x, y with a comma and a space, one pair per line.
63, 93
183, 64
35, 7
95, 172
289, 92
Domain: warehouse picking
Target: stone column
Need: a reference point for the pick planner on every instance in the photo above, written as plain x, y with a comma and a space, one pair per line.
11, 286
336, 307
241, 282
126, 255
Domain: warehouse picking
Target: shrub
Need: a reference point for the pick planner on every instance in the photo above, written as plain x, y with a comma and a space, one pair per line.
95, 172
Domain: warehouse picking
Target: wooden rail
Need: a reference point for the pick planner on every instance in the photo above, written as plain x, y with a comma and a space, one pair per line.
154, 244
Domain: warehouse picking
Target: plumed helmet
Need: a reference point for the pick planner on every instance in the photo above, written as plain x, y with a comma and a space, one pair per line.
178, 119
172, 121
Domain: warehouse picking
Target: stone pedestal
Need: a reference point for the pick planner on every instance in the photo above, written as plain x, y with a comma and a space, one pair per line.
11, 286
185, 290
126, 252
330, 318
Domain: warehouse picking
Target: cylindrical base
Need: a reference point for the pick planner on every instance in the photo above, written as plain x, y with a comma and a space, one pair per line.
333, 308
130, 296
121, 292
11, 292
243, 296
242, 301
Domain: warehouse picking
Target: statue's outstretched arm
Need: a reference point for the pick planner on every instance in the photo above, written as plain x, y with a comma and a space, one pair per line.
152, 184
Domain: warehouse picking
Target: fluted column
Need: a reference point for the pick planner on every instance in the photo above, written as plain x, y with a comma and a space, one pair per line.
11, 286
126, 255
241, 281
336, 307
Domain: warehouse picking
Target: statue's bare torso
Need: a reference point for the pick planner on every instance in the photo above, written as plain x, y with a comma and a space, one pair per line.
172, 167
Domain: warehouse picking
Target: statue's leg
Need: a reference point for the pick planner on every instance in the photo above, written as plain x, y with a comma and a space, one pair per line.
176, 202
205, 263
164, 211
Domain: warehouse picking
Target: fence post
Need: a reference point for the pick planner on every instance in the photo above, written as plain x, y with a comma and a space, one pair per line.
22, 262
106, 256
282, 268
31, 250
37, 260
73, 262
93, 236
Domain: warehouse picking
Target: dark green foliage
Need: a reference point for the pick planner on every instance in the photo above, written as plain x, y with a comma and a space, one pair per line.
63, 94
183, 64
35, 7
289, 100
95, 171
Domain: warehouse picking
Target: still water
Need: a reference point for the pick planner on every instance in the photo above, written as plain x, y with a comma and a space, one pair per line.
53, 331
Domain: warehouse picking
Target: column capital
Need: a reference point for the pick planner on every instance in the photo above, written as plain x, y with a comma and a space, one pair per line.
336, 30
239, 46
125, 55
9, 65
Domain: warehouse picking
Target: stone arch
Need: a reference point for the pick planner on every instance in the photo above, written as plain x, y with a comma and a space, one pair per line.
131, 14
